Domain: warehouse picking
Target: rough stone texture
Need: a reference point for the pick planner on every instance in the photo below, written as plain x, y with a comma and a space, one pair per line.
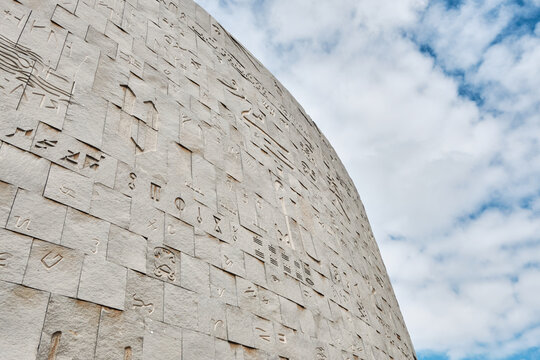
162, 196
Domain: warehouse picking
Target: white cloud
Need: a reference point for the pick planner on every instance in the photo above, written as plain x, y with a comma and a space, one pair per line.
423, 157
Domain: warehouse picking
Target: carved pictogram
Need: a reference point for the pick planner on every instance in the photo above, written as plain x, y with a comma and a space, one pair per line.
138, 303
164, 263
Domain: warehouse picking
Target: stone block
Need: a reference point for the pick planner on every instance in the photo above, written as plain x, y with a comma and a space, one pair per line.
110, 205
53, 268
145, 295
36, 216
7, 195
70, 329
22, 311
181, 307
195, 275
120, 336
161, 341
85, 233
69, 188
103, 282
22, 168
14, 251
179, 235
127, 249
197, 346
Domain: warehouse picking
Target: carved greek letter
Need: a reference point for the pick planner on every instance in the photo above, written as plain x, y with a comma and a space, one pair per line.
155, 191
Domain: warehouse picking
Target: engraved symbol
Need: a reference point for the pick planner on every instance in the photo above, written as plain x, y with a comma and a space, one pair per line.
96, 245
128, 353
152, 224
139, 303
18, 130
44, 144
217, 323
49, 261
250, 292
217, 221
321, 354
263, 336
72, 157
22, 223
164, 263
4, 257
179, 203
199, 218
282, 338
67, 191
55, 340
171, 230
133, 177
235, 231
220, 292
92, 162
228, 261
155, 191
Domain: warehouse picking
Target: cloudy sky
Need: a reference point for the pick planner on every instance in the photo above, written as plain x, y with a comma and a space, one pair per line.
434, 107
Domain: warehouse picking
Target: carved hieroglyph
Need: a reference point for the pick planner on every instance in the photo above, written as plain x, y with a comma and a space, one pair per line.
162, 196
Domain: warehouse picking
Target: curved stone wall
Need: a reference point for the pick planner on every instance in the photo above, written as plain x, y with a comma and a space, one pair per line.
162, 196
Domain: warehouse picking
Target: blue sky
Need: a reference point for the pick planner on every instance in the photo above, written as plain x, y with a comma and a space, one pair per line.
434, 108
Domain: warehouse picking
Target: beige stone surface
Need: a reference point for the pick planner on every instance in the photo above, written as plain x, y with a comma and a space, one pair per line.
163, 196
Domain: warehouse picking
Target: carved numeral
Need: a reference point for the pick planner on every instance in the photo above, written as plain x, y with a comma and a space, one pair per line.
180, 203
